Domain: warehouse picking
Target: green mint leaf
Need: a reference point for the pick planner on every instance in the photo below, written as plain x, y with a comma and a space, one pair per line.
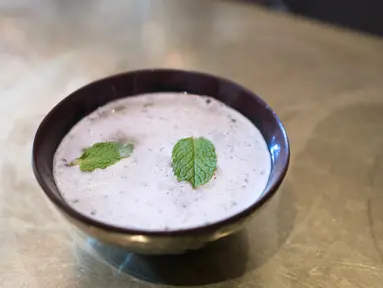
194, 160
102, 155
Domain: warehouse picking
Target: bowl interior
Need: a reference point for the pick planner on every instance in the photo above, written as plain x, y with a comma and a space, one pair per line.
88, 98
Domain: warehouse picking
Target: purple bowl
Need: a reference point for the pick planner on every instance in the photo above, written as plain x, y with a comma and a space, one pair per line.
85, 100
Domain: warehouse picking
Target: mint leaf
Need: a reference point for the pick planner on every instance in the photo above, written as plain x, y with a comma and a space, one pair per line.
102, 155
194, 160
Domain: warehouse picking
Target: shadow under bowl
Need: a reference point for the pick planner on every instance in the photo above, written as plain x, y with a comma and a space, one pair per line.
85, 100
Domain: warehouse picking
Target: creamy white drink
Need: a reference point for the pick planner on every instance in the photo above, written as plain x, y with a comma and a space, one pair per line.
141, 191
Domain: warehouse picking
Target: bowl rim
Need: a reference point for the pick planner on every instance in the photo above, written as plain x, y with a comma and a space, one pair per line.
79, 217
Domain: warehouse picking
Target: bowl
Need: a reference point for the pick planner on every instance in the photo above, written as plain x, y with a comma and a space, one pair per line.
85, 100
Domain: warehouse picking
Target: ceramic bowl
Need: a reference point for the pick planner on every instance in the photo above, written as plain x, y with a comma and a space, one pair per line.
88, 98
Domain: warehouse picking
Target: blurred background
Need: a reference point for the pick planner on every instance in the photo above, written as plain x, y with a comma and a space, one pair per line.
362, 15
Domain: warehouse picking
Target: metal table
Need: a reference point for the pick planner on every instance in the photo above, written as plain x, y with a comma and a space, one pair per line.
325, 229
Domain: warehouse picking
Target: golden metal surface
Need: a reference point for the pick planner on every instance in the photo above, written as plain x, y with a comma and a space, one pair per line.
326, 230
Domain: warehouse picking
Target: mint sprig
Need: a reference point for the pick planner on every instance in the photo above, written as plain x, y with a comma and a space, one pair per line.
194, 160
102, 155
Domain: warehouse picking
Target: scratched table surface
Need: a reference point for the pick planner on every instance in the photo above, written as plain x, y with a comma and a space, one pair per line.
325, 228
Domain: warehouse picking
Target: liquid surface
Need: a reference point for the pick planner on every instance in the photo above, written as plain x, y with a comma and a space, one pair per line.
141, 191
